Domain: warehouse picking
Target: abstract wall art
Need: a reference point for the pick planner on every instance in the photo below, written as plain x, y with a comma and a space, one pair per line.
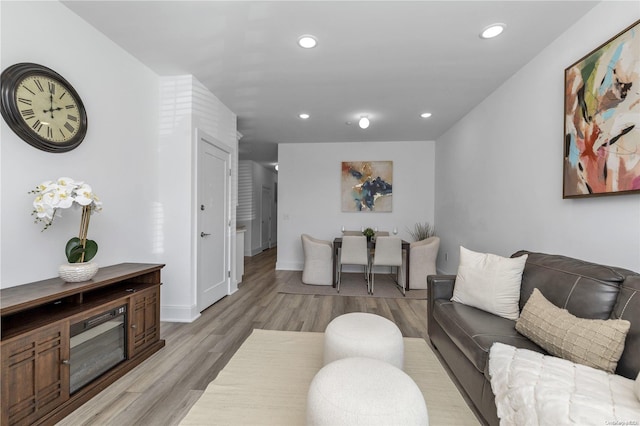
602, 119
367, 186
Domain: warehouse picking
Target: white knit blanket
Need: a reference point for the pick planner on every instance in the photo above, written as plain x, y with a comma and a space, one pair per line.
536, 389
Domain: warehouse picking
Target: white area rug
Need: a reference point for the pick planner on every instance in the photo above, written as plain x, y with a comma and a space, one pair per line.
266, 383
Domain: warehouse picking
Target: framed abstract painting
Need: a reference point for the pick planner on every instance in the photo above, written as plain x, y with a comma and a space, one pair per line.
602, 119
367, 186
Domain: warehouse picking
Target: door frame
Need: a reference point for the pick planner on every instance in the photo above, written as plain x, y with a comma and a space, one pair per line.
266, 226
207, 138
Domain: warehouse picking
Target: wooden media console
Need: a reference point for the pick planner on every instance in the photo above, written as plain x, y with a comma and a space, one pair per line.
36, 335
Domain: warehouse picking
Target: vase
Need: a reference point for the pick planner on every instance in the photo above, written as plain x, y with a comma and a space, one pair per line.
77, 272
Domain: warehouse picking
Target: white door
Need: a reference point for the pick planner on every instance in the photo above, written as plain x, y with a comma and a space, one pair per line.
265, 224
213, 222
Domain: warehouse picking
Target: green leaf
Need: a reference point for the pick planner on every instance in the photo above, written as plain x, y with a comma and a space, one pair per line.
74, 250
91, 248
71, 250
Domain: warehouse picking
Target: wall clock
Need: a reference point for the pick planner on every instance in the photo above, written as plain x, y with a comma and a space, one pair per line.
41, 107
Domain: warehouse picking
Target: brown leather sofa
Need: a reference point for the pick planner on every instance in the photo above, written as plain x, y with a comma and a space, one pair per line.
463, 335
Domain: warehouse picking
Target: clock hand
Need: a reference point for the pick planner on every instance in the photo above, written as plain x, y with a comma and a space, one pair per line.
51, 108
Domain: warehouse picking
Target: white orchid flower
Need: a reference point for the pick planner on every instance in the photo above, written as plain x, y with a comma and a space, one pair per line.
61, 194
46, 186
65, 199
84, 195
97, 204
67, 182
43, 209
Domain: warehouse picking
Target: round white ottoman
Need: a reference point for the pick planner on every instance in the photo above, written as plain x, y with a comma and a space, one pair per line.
364, 391
364, 335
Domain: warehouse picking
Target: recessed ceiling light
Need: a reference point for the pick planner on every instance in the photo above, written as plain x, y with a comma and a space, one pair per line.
307, 41
492, 30
364, 122
425, 115
304, 116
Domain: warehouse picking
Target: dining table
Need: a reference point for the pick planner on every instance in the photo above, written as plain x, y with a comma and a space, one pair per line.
337, 245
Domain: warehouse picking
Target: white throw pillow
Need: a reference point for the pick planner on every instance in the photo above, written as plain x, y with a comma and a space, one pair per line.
489, 282
637, 387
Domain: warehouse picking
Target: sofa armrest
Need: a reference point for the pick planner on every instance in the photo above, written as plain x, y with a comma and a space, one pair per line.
439, 287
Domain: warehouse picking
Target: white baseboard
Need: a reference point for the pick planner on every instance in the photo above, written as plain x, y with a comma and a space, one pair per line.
289, 266
175, 313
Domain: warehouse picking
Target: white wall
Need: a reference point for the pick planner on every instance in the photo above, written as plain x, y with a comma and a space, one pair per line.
499, 170
309, 191
186, 106
118, 156
138, 156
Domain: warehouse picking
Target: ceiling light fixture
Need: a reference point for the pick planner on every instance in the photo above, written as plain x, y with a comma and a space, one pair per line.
307, 41
364, 122
493, 30
425, 115
276, 167
304, 116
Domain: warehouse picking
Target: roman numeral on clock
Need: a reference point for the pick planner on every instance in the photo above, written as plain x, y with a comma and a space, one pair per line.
39, 85
27, 89
68, 126
27, 114
49, 132
52, 88
37, 126
25, 101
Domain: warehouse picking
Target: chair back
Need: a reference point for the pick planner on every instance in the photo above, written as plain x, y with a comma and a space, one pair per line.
352, 233
354, 250
318, 261
308, 242
388, 251
423, 255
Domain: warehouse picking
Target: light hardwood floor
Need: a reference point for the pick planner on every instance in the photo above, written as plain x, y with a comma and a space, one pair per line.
161, 390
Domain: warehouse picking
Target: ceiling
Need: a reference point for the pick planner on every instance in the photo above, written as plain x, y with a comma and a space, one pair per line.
390, 60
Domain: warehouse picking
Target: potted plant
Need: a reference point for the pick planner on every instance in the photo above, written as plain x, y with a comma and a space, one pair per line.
422, 231
369, 233
62, 194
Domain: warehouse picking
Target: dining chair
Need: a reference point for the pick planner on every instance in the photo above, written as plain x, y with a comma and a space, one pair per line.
352, 233
318, 261
388, 252
422, 257
354, 251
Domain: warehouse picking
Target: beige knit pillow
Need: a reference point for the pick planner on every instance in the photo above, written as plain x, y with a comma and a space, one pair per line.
592, 342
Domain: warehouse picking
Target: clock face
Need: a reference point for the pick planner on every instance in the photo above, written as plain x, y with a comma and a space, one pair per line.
48, 108
42, 108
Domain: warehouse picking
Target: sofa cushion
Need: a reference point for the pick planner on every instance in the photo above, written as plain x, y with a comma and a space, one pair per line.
489, 282
473, 331
587, 290
592, 342
628, 307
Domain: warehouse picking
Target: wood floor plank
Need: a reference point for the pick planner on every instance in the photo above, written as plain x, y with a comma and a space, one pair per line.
161, 390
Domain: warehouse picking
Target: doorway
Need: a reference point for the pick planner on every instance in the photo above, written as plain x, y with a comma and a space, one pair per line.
265, 223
